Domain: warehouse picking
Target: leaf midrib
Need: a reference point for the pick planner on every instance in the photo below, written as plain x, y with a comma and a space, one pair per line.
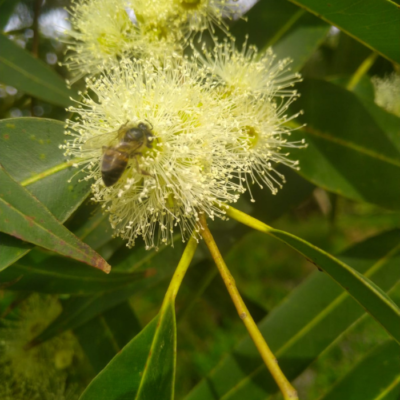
339, 299
351, 145
301, 5
109, 279
388, 388
55, 237
33, 77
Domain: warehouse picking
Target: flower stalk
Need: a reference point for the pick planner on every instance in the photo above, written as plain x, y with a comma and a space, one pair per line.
289, 393
180, 272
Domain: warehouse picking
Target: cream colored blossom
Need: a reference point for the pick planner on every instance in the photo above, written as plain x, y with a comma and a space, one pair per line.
101, 33
200, 145
182, 18
247, 71
387, 93
261, 141
182, 174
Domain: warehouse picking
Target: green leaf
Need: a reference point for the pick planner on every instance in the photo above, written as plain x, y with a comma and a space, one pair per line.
23, 216
348, 152
20, 69
145, 368
376, 377
11, 250
301, 44
44, 172
78, 310
369, 295
6, 9
97, 230
302, 326
114, 329
375, 23
56, 275
274, 16
388, 122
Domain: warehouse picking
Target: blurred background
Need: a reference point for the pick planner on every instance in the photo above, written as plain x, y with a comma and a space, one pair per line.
266, 271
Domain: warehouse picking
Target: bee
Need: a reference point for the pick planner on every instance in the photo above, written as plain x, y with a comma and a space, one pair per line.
124, 144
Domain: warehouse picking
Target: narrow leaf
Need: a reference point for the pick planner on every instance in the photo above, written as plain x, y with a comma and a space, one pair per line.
272, 15
348, 152
304, 325
144, 369
20, 69
44, 172
6, 9
114, 329
57, 275
375, 23
78, 310
24, 217
300, 44
369, 295
376, 377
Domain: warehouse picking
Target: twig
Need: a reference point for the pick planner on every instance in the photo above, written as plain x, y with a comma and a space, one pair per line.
35, 41
289, 393
35, 28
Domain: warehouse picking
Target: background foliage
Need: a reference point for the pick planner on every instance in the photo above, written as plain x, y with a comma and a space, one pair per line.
345, 200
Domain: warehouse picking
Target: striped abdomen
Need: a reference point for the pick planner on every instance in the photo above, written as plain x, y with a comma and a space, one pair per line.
113, 165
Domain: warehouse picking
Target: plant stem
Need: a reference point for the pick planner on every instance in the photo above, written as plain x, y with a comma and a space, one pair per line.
247, 220
289, 393
35, 28
361, 71
180, 272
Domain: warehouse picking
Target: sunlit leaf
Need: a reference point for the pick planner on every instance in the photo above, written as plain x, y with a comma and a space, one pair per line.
44, 172
24, 217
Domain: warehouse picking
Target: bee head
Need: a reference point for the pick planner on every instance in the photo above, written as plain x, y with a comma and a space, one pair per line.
133, 135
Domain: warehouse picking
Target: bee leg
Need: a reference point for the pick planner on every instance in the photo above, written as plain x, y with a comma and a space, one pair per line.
141, 171
150, 137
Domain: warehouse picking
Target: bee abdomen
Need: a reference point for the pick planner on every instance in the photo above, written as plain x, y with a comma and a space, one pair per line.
113, 165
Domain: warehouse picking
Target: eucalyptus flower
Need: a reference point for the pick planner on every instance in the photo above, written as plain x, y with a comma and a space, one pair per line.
260, 89
247, 71
101, 33
260, 142
185, 17
177, 176
387, 92
164, 144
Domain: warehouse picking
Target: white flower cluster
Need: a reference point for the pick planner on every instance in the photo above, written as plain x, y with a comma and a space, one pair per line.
102, 32
387, 92
169, 137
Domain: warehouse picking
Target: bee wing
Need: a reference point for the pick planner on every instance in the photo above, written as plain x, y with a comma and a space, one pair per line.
98, 141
